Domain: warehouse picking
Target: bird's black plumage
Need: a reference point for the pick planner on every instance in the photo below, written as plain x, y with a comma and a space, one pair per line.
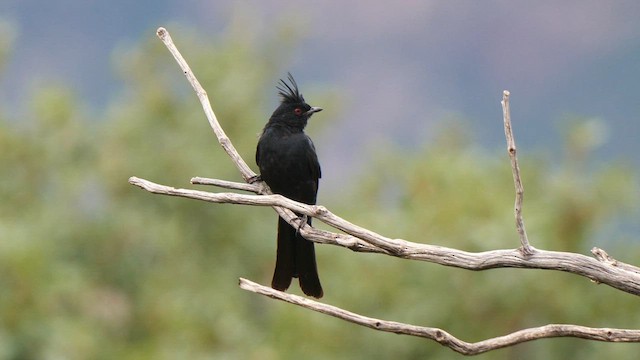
289, 164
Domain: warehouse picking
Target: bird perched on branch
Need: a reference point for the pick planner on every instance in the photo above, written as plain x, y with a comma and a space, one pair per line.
289, 164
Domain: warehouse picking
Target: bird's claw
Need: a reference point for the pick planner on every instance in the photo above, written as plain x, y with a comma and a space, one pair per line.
254, 179
303, 222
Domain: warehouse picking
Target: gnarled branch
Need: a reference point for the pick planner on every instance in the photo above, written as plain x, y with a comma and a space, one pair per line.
443, 337
600, 269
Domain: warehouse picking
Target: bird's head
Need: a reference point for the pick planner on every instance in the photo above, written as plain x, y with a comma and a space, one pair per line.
293, 110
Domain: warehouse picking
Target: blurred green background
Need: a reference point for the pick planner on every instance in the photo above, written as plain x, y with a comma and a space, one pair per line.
94, 268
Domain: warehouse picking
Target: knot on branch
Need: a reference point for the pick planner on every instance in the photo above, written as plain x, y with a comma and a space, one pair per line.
527, 251
602, 256
440, 336
319, 210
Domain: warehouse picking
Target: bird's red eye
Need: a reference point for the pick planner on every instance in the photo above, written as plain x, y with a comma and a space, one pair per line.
297, 111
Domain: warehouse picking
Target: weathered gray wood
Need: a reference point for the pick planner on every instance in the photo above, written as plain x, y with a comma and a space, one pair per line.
601, 268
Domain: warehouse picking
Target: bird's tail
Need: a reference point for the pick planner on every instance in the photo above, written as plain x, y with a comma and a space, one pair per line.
296, 257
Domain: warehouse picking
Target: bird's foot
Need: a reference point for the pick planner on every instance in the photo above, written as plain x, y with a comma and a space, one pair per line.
303, 222
254, 179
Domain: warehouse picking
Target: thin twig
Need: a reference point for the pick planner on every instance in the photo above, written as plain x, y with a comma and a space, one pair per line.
224, 141
443, 337
226, 184
511, 149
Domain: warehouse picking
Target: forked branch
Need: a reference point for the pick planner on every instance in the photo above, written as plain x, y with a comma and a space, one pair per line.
600, 269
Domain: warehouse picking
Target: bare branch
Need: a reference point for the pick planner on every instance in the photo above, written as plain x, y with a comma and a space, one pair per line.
363, 240
443, 337
601, 269
226, 184
224, 141
511, 149
283, 206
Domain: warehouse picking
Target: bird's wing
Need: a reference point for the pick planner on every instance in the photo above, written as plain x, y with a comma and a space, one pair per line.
312, 160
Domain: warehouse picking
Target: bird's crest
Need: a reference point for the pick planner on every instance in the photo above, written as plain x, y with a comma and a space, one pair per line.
289, 92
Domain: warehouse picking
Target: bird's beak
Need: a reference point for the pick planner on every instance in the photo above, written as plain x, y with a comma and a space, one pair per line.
313, 110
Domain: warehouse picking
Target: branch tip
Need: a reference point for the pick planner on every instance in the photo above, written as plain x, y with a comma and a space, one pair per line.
525, 248
161, 32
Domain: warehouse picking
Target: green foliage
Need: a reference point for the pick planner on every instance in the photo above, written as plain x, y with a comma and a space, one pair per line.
454, 194
92, 267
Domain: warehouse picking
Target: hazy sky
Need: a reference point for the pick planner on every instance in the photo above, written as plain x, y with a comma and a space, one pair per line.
402, 66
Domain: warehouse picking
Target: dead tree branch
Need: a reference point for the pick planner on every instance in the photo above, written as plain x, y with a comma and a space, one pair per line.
224, 141
600, 269
515, 168
443, 337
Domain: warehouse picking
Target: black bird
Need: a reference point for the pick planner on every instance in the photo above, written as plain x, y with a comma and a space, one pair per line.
289, 164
